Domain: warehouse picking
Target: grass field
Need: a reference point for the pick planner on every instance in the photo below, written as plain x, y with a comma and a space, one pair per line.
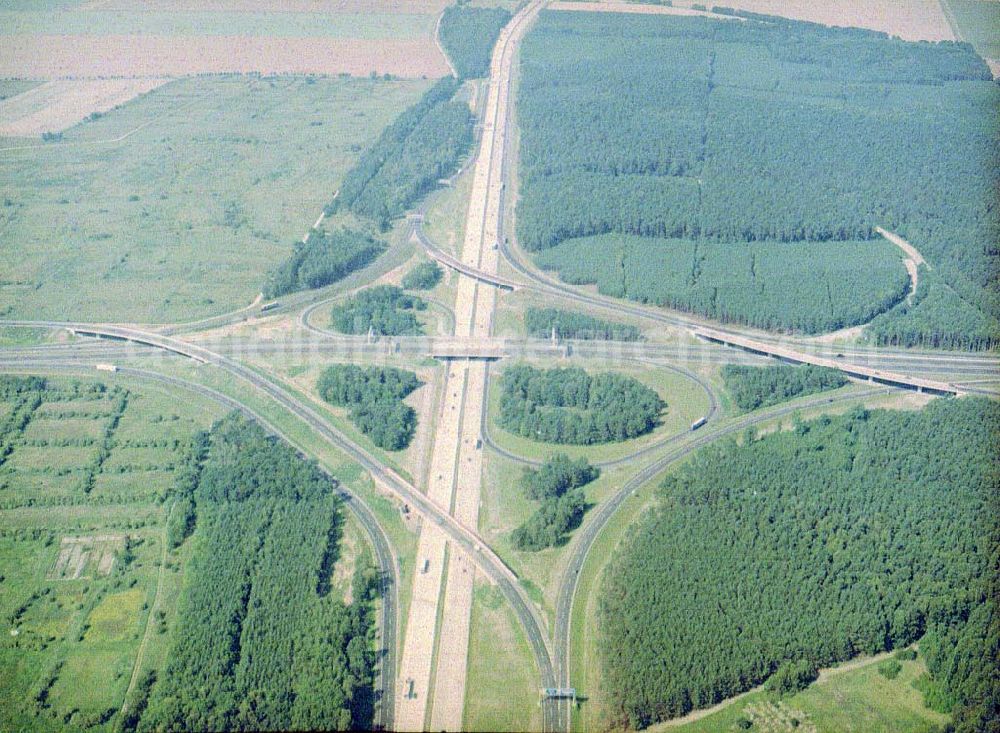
978, 23
133, 216
502, 685
80, 569
843, 699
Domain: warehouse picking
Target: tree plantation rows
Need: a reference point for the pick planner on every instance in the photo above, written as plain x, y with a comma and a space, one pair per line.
805, 286
468, 36
421, 146
258, 645
789, 136
846, 535
322, 259
754, 387
374, 396
567, 405
385, 309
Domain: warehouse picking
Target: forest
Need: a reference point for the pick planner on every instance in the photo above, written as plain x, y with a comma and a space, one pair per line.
322, 259
557, 485
468, 35
374, 397
540, 323
257, 645
937, 317
801, 286
881, 525
754, 387
568, 405
423, 145
650, 128
422, 277
385, 309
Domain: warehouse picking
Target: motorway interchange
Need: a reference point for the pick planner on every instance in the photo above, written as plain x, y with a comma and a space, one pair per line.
449, 505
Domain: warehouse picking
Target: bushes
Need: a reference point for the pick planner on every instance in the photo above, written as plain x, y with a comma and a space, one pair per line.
557, 485
570, 406
422, 277
790, 677
374, 396
776, 547
385, 309
423, 145
468, 36
541, 321
322, 259
890, 669
756, 387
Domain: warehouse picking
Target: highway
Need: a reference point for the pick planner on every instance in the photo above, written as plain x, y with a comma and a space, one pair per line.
462, 536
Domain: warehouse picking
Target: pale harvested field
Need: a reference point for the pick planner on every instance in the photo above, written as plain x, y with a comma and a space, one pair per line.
55, 57
912, 20
57, 105
272, 6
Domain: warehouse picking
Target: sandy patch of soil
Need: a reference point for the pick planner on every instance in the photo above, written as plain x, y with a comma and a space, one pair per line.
56, 105
96, 57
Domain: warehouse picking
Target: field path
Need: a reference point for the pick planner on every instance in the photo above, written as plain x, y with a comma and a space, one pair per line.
912, 262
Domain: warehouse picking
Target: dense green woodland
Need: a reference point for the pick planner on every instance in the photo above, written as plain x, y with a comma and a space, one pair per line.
423, 144
847, 535
468, 36
780, 140
422, 277
755, 387
540, 323
385, 309
374, 396
557, 485
259, 644
797, 285
568, 405
323, 258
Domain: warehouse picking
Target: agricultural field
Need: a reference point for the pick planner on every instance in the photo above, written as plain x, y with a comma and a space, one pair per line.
677, 182
114, 39
978, 23
132, 216
82, 543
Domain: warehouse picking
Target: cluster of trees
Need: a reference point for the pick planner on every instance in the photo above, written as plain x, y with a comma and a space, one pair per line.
661, 127
421, 146
754, 387
570, 406
570, 325
468, 35
255, 646
374, 396
848, 535
557, 484
937, 317
422, 277
182, 517
385, 309
802, 286
323, 258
